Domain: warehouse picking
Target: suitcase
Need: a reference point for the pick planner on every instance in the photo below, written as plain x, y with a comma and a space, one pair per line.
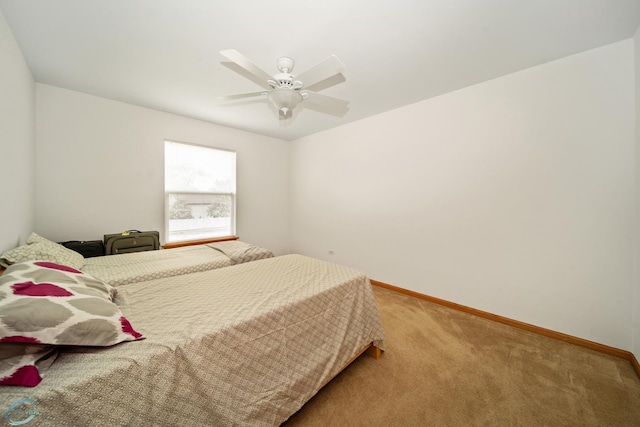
131, 241
86, 248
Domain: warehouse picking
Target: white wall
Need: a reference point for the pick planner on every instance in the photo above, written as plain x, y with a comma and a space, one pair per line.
514, 196
17, 142
100, 169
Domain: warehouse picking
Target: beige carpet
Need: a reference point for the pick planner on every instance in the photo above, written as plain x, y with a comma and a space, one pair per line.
443, 367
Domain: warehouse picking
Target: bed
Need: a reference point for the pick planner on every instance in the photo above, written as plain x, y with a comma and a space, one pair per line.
133, 267
246, 345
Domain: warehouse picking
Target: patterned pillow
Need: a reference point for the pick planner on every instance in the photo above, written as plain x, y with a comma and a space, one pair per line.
22, 364
39, 248
19, 254
47, 303
35, 238
55, 252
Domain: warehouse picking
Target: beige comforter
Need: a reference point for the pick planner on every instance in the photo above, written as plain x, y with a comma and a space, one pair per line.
118, 270
133, 267
239, 252
246, 345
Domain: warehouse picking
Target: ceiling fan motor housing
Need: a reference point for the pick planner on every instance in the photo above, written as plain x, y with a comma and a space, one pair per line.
285, 80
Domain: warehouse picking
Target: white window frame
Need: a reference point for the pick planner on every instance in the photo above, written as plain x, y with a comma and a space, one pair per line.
232, 195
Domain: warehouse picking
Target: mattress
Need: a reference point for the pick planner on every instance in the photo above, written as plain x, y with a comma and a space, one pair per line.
118, 270
246, 345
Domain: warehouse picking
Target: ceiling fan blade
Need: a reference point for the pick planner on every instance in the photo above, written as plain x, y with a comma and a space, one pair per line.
241, 95
326, 104
327, 83
326, 100
249, 69
321, 71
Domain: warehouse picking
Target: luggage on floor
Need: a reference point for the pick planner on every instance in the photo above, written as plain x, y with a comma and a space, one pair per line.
131, 241
86, 248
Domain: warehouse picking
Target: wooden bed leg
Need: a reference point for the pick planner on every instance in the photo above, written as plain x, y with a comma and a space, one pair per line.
374, 352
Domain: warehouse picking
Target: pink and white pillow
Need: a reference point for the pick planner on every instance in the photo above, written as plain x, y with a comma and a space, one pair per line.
44, 304
21, 364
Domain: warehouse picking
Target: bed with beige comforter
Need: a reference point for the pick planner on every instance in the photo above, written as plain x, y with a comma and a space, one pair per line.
246, 345
133, 267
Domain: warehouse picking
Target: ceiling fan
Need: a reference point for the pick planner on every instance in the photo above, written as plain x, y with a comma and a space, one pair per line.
285, 91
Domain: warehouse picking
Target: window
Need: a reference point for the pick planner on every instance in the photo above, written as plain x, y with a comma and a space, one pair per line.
200, 192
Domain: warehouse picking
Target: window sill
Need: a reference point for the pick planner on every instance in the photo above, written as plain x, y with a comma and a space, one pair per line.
173, 245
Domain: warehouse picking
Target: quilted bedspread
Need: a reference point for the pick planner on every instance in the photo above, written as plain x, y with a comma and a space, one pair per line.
239, 252
246, 345
133, 267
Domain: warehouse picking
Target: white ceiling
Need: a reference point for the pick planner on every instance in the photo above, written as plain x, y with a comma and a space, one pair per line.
164, 54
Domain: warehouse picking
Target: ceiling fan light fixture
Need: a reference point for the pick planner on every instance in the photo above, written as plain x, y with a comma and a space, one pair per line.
285, 100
